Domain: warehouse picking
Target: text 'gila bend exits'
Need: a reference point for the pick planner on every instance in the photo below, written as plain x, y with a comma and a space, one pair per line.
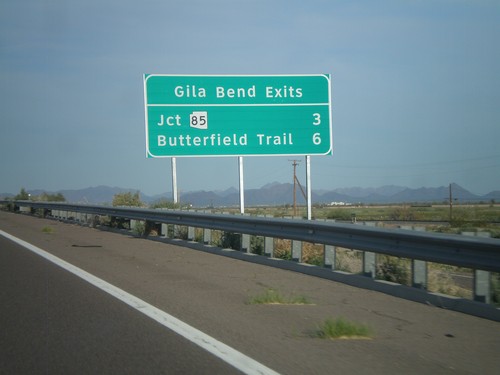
237, 115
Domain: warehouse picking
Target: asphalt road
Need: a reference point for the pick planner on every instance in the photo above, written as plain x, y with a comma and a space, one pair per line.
53, 322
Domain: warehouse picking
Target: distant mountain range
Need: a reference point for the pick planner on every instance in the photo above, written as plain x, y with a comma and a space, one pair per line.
282, 193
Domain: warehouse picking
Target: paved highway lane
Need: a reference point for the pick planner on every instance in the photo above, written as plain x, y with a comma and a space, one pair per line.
55, 323
211, 292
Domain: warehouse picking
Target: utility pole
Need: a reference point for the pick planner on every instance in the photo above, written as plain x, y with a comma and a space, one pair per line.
451, 205
295, 163
295, 183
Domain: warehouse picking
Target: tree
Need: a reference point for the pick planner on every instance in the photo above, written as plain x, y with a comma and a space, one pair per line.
22, 196
127, 199
164, 203
44, 197
59, 198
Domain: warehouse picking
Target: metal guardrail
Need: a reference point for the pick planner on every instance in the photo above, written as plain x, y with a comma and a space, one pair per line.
482, 255
469, 252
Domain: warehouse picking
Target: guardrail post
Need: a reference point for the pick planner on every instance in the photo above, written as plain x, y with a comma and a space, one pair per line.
268, 242
329, 256
297, 251
133, 224
482, 286
164, 230
191, 234
207, 236
245, 243
329, 252
482, 292
418, 267
269, 246
94, 221
369, 264
369, 259
419, 274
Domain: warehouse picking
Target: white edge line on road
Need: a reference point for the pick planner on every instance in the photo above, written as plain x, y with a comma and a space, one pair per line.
229, 355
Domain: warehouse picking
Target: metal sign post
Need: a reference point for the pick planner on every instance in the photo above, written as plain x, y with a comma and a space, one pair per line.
242, 187
308, 187
174, 180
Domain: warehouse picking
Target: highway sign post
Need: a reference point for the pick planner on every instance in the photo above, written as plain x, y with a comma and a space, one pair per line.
237, 115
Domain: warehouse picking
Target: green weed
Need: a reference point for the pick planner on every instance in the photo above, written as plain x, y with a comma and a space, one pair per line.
48, 230
341, 328
272, 296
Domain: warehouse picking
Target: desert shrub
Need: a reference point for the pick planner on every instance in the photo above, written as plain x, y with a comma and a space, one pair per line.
230, 240
119, 223
348, 260
139, 228
104, 220
165, 203
45, 197
339, 214
198, 234
313, 254
394, 269
440, 280
181, 232
257, 244
22, 196
403, 213
127, 199
282, 249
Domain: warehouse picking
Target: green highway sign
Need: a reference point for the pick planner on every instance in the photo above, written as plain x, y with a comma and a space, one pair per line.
237, 115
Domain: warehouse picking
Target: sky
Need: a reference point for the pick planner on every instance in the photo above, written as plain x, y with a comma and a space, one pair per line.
415, 89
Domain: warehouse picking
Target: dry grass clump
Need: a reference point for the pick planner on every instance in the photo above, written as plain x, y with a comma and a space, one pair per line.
394, 269
348, 260
453, 281
283, 248
313, 253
